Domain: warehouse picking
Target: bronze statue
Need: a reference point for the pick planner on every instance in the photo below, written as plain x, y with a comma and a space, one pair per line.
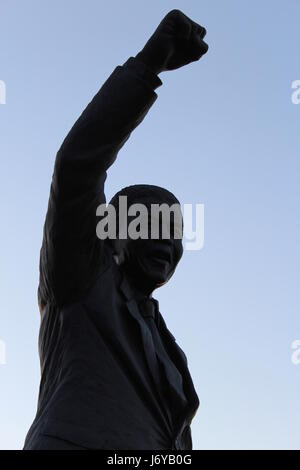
112, 374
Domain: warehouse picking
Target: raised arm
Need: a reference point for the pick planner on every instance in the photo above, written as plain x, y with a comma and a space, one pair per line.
70, 249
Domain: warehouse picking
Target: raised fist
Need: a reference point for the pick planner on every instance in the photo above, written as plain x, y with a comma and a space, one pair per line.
177, 41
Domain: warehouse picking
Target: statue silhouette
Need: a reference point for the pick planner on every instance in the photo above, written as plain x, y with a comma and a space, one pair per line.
112, 374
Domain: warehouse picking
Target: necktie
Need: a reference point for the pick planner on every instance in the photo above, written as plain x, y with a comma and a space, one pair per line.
149, 312
170, 376
149, 309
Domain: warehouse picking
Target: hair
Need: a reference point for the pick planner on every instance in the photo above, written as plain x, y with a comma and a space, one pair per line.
144, 192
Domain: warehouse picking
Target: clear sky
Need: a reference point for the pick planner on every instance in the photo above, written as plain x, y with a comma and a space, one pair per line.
223, 132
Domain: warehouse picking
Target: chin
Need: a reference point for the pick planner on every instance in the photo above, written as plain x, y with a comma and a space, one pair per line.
157, 277
160, 284
153, 274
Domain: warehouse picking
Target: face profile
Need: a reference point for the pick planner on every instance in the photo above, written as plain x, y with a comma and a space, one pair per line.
150, 261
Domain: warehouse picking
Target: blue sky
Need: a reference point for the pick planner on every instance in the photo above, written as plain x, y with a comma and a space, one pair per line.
227, 128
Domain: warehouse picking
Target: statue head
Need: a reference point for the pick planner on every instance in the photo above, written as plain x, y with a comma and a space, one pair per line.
151, 245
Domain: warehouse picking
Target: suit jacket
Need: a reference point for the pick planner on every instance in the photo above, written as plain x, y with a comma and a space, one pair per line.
98, 384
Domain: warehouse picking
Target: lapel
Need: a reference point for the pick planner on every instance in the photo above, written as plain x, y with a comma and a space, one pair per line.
178, 354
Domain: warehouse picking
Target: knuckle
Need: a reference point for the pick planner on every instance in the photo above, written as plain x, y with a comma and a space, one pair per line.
175, 12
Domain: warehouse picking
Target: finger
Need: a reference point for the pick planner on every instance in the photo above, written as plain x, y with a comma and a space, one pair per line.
203, 32
199, 48
198, 29
205, 47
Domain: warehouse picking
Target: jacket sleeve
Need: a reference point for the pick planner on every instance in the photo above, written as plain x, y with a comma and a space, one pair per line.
70, 249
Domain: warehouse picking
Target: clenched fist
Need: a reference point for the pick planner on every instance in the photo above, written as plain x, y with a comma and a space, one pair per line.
177, 41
